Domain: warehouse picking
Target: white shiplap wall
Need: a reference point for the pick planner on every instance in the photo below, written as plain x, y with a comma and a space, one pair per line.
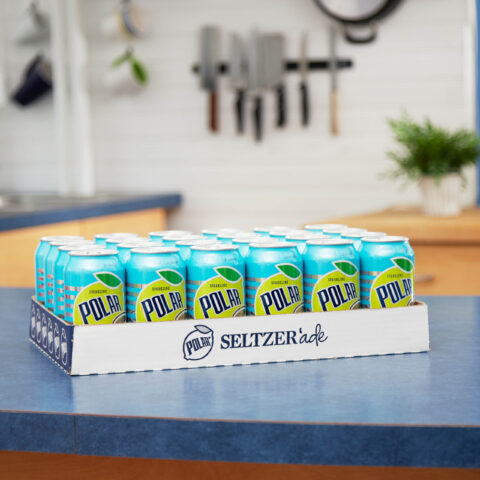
27, 161
156, 140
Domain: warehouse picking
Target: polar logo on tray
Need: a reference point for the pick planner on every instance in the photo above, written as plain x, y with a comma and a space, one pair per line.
198, 343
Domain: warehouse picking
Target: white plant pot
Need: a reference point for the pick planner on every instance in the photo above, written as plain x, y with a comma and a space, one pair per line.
441, 198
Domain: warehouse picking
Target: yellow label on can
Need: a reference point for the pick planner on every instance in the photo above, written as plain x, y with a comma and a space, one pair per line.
221, 296
282, 292
394, 286
101, 302
163, 299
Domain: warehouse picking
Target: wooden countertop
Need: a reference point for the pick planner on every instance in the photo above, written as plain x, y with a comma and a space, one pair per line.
421, 229
23, 211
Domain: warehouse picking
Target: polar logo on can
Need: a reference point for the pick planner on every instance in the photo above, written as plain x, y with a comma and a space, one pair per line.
198, 343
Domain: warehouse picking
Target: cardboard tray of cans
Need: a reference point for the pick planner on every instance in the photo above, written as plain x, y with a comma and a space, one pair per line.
134, 347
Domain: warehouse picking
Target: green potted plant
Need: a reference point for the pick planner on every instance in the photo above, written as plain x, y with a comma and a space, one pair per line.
435, 158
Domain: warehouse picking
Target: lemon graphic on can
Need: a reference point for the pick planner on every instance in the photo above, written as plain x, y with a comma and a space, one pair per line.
163, 299
337, 289
221, 295
281, 292
101, 302
394, 286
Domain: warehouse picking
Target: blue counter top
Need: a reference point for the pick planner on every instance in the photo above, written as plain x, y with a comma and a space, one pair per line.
400, 410
31, 210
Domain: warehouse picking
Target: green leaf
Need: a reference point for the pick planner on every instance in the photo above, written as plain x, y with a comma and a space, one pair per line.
122, 58
403, 264
229, 274
170, 276
291, 271
110, 280
347, 268
139, 71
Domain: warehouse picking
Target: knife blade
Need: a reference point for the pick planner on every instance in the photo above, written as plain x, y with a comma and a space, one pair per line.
238, 78
256, 81
274, 50
209, 55
304, 90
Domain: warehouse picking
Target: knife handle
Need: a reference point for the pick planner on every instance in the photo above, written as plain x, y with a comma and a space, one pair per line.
281, 106
334, 112
212, 111
305, 103
257, 118
240, 111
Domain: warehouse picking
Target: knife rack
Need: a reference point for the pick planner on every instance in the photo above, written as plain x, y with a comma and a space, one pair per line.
291, 65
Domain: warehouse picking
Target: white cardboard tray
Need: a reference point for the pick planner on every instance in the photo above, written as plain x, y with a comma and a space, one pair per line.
84, 350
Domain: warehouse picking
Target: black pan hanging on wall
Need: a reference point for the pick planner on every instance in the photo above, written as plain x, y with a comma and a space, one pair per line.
358, 16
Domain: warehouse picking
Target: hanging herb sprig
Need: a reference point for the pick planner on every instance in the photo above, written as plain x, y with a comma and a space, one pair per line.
138, 69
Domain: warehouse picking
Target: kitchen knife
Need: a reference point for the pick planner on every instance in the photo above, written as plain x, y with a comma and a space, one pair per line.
209, 53
274, 50
256, 81
304, 91
333, 81
238, 78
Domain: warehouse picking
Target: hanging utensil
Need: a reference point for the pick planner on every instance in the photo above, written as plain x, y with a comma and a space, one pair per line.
256, 81
333, 81
238, 78
304, 91
274, 51
209, 55
358, 16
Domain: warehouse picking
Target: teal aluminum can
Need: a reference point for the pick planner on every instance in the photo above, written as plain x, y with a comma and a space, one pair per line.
319, 227
331, 275
387, 266
334, 232
265, 231
185, 246
279, 233
40, 256
125, 247
357, 238
158, 236
156, 283
347, 231
228, 237
60, 264
274, 279
101, 238
113, 242
94, 287
301, 237
50, 262
172, 239
215, 282
210, 233
243, 242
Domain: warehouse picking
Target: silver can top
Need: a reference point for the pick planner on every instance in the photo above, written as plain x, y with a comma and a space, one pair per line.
154, 250
385, 239
93, 252
272, 244
214, 247
105, 236
329, 241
